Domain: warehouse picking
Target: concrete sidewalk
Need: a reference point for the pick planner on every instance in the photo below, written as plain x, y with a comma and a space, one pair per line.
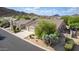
23, 33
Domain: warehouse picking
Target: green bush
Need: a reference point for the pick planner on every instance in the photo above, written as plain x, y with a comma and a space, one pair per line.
73, 22
51, 38
16, 29
4, 23
44, 27
68, 40
54, 38
68, 47
65, 18
69, 44
46, 39
21, 17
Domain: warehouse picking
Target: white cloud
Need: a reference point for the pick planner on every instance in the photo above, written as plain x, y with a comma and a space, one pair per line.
32, 8
50, 11
70, 11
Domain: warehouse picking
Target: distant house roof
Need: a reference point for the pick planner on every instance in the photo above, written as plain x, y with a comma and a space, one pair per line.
33, 23
58, 22
21, 22
26, 22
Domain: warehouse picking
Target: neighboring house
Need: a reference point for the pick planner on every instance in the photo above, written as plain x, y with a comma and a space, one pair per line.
31, 23
22, 23
60, 25
26, 24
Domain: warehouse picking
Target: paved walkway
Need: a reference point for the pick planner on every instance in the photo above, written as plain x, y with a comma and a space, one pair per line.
23, 33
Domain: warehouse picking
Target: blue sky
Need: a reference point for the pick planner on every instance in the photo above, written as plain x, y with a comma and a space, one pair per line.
48, 10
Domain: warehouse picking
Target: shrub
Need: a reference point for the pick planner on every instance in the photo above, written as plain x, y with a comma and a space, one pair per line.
54, 39
44, 27
46, 39
73, 22
68, 47
51, 38
65, 18
69, 41
4, 23
57, 33
16, 29
69, 44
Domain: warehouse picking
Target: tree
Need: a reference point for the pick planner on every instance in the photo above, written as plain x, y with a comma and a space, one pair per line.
73, 22
65, 18
44, 27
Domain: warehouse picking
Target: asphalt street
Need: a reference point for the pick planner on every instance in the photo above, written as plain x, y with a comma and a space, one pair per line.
9, 42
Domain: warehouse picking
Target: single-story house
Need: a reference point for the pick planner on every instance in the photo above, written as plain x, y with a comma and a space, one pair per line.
60, 25
30, 24
26, 24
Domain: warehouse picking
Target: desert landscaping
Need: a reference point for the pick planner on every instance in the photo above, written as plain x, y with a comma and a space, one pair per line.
54, 33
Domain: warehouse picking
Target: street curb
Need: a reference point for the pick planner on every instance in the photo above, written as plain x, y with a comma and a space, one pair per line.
26, 40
